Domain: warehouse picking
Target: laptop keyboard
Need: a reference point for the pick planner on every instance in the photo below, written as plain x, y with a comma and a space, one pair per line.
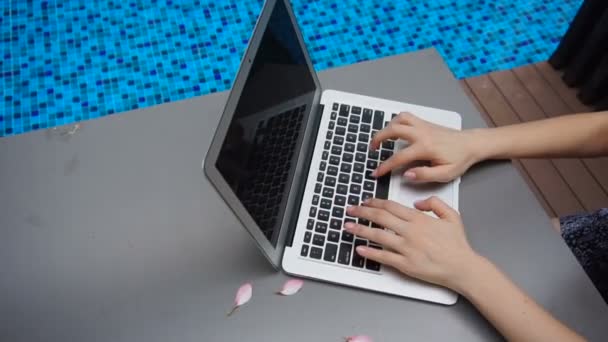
344, 179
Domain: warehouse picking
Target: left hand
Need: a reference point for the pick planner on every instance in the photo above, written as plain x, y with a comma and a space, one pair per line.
435, 250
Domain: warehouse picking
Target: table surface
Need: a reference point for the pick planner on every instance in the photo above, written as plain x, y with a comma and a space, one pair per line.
114, 234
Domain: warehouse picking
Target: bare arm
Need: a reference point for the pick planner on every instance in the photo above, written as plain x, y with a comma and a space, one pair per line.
450, 152
436, 250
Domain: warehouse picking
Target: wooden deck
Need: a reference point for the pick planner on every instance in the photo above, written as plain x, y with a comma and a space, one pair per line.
533, 92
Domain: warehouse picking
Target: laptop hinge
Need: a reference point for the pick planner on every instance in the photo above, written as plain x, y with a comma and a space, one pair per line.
302, 185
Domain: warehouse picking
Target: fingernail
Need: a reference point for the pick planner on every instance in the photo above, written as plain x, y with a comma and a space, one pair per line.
349, 225
361, 249
418, 202
410, 175
375, 173
367, 201
350, 209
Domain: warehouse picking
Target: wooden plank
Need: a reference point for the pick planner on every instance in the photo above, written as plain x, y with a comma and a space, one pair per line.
583, 184
518, 165
550, 183
567, 94
599, 169
549, 100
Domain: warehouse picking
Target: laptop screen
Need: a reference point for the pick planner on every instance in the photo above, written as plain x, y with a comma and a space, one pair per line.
258, 156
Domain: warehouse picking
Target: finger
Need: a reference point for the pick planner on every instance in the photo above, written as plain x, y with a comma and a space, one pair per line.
379, 236
401, 158
400, 211
406, 118
392, 131
382, 256
426, 174
380, 216
439, 207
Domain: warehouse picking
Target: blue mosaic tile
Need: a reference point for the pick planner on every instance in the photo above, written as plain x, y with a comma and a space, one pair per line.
72, 60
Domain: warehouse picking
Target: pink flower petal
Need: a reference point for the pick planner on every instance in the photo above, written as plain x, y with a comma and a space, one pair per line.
291, 287
243, 295
359, 338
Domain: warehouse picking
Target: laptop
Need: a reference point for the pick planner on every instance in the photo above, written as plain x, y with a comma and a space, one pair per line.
289, 157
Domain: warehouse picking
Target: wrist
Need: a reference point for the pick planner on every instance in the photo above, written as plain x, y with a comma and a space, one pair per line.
481, 144
476, 270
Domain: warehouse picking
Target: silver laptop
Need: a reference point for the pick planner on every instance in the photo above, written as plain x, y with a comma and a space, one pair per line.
289, 157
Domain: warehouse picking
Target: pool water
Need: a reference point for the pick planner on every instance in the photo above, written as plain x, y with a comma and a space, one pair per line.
72, 60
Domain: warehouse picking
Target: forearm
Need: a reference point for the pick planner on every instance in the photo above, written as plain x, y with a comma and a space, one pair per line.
515, 315
579, 135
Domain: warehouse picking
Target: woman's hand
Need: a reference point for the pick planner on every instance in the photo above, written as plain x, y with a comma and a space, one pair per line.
435, 250
450, 152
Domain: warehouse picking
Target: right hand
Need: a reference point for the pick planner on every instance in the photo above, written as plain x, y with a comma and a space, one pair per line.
450, 152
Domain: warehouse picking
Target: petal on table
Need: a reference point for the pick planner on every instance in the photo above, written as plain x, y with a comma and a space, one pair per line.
291, 287
243, 295
359, 338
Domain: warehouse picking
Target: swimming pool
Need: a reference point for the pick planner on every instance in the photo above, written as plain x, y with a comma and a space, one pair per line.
72, 60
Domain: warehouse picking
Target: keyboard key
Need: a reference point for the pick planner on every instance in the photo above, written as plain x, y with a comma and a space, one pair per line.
378, 119
342, 122
368, 186
364, 137
393, 115
353, 200
332, 125
366, 195
332, 171
322, 166
357, 178
375, 225
320, 177
367, 115
344, 253
353, 128
338, 140
371, 264
338, 212
355, 189
316, 253
318, 240
325, 155
382, 188
368, 175
330, 181
335, 224
304, 251
310, 224
360, 157
328, 192
336, 150
318, 188
346, 236
348, 219
361, 147
307, 237
340, 200
331, 251
313, 212
356, 110
349, 147
358, 167
348, 157
385, 154
358, 261
329, 135
351, 137
342, 189
315, 200
344, 178
344, 110
364, 222
355, 119
323, 215
333, 160
321, 227
365, 128
371, 164
373, 155
388, 144
325, 203
345, 167
327, 144
335, 106
339, 131
333, 236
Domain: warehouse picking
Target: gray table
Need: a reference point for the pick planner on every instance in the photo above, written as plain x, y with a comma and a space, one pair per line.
114, 234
